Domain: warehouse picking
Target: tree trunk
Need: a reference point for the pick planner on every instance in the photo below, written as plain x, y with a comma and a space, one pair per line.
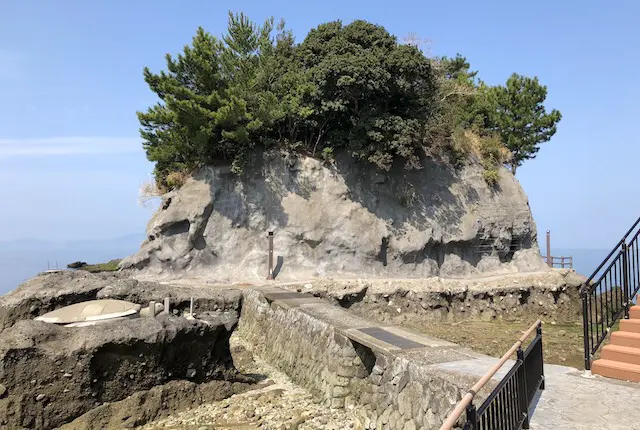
514, 166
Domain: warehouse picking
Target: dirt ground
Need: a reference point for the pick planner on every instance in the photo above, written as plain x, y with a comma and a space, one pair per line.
562, 340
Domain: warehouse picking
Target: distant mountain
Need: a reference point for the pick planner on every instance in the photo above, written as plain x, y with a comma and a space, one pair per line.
24, 258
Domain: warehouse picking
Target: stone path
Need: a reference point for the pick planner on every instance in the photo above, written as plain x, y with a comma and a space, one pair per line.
572, 401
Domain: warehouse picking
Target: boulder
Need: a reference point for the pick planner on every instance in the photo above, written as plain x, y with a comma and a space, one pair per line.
53, 374
345, 219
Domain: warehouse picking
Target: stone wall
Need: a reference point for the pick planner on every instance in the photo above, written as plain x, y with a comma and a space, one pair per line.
385, 386
553, 295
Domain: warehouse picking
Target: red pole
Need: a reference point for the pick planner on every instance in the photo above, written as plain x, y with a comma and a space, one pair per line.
549, 259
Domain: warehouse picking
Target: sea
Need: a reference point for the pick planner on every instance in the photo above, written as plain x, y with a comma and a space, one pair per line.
23, 259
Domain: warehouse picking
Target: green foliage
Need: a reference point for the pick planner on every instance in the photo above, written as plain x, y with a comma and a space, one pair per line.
110, 266
520, 118
373, 95
351, 88
327, 154
215, 101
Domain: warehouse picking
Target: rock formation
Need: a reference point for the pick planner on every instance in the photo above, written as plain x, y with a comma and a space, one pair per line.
344, 220
54, 374
49, 291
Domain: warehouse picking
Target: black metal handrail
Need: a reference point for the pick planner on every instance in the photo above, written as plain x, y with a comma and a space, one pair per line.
609, 291
507, 406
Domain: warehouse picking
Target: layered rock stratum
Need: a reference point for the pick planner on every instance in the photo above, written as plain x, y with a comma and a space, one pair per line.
342, 219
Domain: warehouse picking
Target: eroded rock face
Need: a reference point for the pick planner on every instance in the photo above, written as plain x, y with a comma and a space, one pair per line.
158, 402
341, 220
50, 291
54, 374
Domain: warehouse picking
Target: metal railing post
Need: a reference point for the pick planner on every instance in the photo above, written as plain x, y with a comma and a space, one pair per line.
625, 278
539, 333
524, 393
472, 418
586, 322
270, 274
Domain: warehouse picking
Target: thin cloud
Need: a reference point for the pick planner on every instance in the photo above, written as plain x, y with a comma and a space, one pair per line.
73, 145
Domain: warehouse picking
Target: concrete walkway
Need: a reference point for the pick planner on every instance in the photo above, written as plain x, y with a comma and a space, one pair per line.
571, 401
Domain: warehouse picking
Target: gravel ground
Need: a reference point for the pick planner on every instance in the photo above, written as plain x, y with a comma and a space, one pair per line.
279, 406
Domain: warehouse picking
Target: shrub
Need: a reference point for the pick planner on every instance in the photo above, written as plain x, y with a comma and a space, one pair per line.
327, 154
176, 180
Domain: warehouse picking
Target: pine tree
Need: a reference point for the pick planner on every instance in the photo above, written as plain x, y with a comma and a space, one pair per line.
520, 118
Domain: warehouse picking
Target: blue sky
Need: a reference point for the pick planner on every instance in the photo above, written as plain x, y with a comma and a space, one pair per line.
71, 81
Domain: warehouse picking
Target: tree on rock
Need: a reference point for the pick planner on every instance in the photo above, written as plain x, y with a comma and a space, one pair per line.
214, 103
520, 118
351, 88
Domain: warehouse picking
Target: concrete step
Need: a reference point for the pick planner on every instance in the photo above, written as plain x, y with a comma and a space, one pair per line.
623, 354
632, 325
616, 370
634, 312
625, 338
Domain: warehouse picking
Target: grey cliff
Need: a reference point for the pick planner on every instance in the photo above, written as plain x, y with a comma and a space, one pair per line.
343, 219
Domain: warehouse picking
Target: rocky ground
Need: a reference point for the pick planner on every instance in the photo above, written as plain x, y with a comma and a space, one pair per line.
54, 374
553, 294
280, 405
450, 309
49, 291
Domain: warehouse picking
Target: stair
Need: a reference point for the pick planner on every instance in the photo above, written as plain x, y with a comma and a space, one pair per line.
620, 359
616, 370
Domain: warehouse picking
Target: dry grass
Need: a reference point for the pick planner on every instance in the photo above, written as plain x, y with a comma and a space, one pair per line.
488, 149
562, 341
177, 179
110, 266
148, 192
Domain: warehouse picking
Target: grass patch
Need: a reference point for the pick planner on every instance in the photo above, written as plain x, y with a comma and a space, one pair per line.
562, 342
110, 266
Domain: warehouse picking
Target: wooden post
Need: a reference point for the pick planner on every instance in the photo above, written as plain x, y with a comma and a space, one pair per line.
549, 259
152, 309
562, 261
191, 307
167, 304
270, 273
